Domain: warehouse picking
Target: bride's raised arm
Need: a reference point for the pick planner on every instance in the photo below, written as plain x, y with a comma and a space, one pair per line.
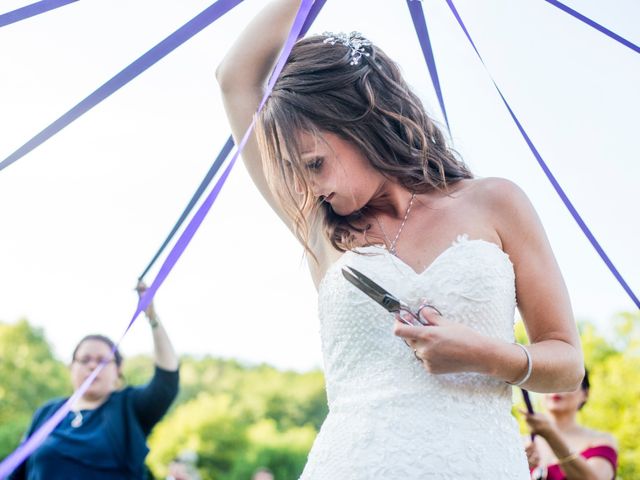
243, 74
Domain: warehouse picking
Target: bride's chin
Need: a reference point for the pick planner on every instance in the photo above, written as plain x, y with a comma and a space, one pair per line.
346, 210
343, 212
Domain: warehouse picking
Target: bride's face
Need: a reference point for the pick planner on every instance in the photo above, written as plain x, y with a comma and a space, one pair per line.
339, 173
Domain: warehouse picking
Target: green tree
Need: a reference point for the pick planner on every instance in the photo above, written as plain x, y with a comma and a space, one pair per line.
210, 425
137, 370
30, 375
614, 369
251, 416
283, 452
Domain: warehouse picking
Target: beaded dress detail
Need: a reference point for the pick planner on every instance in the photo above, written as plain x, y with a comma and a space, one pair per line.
389, 418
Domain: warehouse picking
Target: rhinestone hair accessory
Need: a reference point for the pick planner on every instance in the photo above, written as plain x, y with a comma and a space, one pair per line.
354, 41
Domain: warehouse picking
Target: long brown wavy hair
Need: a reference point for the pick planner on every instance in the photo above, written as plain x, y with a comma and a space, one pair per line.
369, 105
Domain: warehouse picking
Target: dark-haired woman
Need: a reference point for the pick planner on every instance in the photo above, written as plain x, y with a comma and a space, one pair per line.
347, 156
104, 436
565, 450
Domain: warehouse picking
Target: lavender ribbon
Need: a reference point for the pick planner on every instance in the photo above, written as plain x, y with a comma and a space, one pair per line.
313, 14
31, 11
224, 153
595, 25
199, 216
34, 441
529, 405
166, 46
420, 24
565, 199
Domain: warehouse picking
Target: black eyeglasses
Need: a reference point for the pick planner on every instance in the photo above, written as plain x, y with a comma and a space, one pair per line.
97, 360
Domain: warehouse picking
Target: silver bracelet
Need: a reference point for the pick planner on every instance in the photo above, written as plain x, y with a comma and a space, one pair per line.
154, 322
527, 375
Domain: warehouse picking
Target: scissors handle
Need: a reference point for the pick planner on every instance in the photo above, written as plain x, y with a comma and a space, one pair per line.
415, 321
417, 318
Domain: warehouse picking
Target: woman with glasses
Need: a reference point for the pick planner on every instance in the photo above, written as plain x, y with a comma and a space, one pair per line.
103, 437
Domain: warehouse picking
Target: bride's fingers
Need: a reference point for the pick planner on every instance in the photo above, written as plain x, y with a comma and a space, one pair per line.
409, 342
409, 333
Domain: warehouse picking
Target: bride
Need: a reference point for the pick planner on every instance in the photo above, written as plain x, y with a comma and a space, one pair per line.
346, 155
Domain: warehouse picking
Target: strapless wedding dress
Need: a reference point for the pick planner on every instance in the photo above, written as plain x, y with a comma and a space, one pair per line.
390, 419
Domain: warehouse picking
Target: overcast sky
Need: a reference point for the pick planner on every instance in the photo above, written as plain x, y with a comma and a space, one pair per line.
83, 213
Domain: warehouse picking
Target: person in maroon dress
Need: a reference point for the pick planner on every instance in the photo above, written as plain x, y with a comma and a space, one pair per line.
564, 449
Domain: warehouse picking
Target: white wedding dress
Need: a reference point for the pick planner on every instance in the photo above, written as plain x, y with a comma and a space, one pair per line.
389, 418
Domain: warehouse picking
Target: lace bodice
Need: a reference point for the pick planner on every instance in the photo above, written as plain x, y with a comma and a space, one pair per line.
388, 417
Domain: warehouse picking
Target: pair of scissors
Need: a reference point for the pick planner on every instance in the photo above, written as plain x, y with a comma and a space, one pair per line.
389, 302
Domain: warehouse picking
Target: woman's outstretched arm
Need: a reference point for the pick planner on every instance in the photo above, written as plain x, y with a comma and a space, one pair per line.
243, 74
151, 402
164, 355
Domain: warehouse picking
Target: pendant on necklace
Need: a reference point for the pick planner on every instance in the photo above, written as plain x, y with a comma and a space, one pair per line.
77, 420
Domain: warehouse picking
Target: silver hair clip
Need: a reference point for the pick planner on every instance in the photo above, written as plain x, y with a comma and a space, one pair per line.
354, 40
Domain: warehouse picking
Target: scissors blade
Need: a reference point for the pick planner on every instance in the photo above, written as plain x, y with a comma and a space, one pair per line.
372, 289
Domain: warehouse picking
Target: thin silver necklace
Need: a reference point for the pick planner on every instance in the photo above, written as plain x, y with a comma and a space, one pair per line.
392, 245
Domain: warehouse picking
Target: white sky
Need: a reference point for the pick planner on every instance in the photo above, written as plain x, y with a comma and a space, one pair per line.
83, 213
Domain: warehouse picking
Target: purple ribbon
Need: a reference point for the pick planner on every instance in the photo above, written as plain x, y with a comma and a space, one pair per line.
31, 11
224, 153
595, 25
529, 405
420, 24
313, 14
565, 199
166, 46
26, 448
197, 219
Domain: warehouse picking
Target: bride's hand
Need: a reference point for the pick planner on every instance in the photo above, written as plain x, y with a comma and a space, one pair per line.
442, 346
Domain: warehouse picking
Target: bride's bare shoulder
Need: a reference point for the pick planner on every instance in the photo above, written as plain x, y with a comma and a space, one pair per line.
499, 197
492, 189
502, 204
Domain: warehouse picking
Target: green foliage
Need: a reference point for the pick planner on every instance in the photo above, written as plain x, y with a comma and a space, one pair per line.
211, 425
239, 418
137, 370
284, 453
29, 375
613, 407
260, 388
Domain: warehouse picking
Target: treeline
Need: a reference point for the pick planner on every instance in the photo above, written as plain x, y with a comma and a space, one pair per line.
240, 417
237, 418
